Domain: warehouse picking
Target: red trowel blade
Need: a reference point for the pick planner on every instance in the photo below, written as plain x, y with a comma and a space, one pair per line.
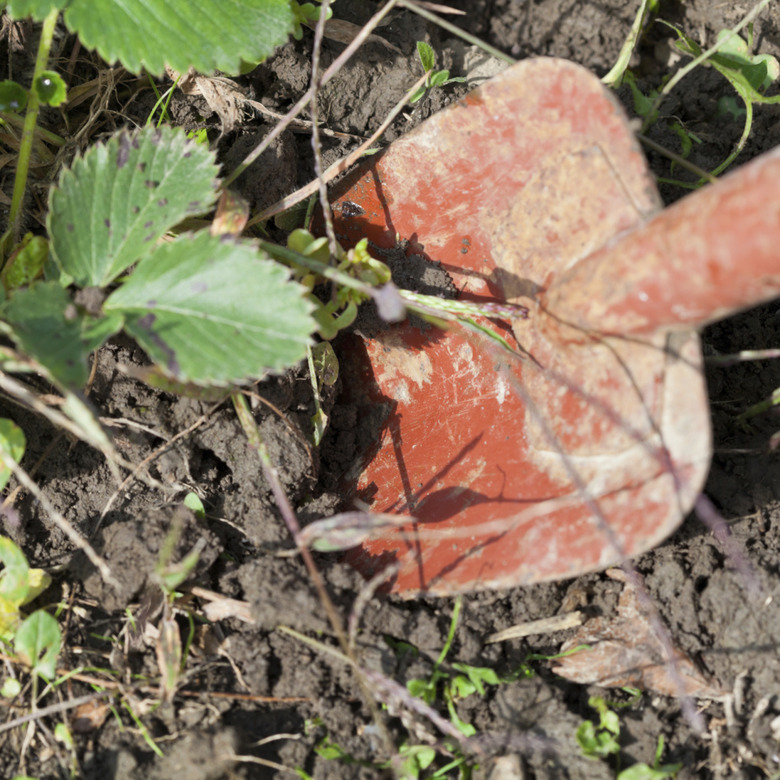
519, 471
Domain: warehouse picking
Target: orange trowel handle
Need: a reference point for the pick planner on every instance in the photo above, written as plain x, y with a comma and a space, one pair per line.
711, 254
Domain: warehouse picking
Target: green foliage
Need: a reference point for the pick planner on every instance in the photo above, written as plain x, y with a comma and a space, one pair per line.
37, 642
50, 88
150, 34
208, 310
415, 759
47, 326
435, 78
340, 311
644, 105
113, 204
305, 13
13, 96
657, 771
13, 442
26, 264
168, 574
324, 371
36, 639
749, 74
195, 505
601, 740
214, 311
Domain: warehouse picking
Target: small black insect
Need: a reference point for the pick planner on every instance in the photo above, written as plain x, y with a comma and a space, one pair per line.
350, 209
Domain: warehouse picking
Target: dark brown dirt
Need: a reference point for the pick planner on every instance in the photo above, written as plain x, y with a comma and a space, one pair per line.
724, 614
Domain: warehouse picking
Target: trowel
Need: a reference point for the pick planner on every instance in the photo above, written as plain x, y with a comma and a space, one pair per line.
588, 440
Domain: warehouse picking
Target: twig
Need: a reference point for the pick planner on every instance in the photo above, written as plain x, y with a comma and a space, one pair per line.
283, 504
153, 456
334, 68
340, 165
53, 709
327, 214
59, 520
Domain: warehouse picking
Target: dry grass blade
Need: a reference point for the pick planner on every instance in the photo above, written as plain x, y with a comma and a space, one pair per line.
543, 626
346, 32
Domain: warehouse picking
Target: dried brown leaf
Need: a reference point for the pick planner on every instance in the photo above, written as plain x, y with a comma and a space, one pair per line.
625, 650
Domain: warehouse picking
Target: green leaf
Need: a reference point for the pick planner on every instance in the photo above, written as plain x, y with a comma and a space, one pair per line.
427, 55
50, 88
215, 311
643, 105
749, 74
439, 78
758, 70
195, 505
13, 96
169, 653
645, 772
418, 94
49, 327
115, 202
14, 579
38, 641
319, 421
38, 9
63, 735
13, 442
475, 676
11, 688
326, 364
26, 263
203, 34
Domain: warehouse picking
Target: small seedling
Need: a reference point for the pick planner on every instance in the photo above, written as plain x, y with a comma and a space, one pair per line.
435, 78
598, 741
305, 14
36, 639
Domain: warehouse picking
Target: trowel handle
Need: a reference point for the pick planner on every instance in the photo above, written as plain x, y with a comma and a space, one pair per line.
708, 256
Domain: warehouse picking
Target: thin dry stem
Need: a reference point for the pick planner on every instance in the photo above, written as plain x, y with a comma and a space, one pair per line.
340, 165
315, 131
334, 68
59, 520
136, 471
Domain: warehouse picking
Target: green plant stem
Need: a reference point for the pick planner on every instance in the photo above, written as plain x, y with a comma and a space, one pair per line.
28, 135
416, 302
615, 76
451, 633
681, 161
705, 55
451, 28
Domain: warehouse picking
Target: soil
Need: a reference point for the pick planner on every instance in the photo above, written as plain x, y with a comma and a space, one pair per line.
253, 700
